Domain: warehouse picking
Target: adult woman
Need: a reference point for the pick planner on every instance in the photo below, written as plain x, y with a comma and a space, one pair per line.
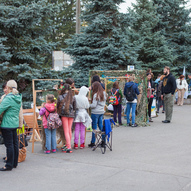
117, 108
182, 86
160, 101
150, 96
11, 105
97, 110
96, 78
131, 104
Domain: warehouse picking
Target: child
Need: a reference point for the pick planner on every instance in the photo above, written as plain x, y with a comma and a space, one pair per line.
50, 133
97, 106
117, 108
66, 109
82, 119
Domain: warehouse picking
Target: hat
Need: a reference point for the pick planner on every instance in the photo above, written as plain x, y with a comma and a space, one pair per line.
12, 84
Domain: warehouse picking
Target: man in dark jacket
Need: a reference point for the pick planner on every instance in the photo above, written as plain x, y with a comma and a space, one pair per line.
168, 90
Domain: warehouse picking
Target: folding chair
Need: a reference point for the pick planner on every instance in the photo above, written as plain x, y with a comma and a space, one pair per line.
104, 137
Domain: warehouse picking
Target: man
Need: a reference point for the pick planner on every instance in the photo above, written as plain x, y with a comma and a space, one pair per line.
168, 90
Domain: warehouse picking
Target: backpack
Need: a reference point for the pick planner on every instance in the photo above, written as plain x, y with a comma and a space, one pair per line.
53, 120
113, 98
130, 94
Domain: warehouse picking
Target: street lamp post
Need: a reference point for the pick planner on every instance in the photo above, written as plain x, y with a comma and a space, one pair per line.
78, 23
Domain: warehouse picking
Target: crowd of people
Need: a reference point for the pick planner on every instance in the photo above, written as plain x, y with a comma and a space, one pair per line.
71, 108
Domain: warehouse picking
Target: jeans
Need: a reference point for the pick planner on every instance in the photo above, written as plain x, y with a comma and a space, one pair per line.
159, 103
97, 119
117, 110
11, 144
129, 106
79, 129
50, 138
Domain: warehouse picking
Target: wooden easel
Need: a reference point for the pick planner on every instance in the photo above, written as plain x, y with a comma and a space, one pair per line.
35, 128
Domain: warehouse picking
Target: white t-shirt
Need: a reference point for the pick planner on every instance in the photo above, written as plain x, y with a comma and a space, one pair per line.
134, 101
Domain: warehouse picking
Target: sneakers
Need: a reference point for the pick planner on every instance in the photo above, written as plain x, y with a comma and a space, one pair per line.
63, 148
150, 119
103, 144
82, 146
76, 146
91, 145
116, 124
134, 125
67, 150
54, 150
47, 151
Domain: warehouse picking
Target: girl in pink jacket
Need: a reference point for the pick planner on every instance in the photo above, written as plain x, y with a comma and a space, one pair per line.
47, 108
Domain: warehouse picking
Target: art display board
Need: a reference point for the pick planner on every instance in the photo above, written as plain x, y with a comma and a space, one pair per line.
108, 77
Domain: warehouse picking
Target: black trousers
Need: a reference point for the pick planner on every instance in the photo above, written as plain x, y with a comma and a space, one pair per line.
150, 101
11, 144
117, 110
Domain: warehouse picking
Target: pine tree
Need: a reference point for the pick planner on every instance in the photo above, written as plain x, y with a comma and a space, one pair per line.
174, 22
21, 26
23, 42
151, 46
4, 55
102, 44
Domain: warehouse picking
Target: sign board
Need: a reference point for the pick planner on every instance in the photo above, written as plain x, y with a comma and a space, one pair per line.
130, 68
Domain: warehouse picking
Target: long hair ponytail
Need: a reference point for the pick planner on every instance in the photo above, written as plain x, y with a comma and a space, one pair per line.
67, 100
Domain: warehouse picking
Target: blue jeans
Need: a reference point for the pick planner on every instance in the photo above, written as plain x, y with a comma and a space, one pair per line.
97, 119
50, 138
129, 106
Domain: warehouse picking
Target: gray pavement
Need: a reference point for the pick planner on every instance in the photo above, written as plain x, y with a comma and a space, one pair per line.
153, 158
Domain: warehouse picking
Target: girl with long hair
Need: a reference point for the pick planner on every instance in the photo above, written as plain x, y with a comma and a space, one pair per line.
117, 108
97, 109
150, 96
66, 106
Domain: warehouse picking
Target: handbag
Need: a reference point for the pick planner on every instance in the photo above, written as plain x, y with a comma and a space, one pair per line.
22, 154
22, 150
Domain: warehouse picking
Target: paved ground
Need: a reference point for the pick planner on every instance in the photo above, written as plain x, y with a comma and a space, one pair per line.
153, 158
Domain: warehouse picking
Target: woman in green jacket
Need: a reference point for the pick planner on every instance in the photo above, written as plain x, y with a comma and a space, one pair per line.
11, 105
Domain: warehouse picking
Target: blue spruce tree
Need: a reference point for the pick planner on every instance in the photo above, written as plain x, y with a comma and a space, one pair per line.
23, 45
102, 44
174, 23
150, 45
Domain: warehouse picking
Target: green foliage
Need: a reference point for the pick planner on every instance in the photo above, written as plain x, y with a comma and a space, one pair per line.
174, 24
23, 43
102, 44
21, 25
151, 46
